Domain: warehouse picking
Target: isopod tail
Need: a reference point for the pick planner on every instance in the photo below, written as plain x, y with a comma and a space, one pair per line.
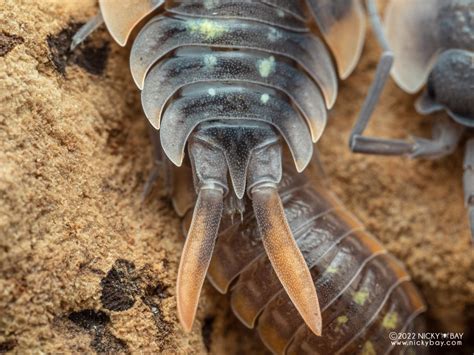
285, 256
197, 252
247, 157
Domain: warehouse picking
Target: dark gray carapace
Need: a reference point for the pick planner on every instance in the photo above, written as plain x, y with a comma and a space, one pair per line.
245, 86
431, 46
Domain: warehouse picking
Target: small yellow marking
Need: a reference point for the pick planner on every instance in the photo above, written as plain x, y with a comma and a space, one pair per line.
342, 319
206, 28
360, 297
368, 348
211, 92
390, 320
210, 60
266, 66
264, 98
332, 269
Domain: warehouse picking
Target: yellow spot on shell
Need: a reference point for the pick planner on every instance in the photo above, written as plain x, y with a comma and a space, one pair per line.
342, 319
390, 320
368, 348
266, 66
264, 98
332, 269
206, 28
360, 297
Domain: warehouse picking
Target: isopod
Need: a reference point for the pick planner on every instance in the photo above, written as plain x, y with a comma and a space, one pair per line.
432, 43
245, 86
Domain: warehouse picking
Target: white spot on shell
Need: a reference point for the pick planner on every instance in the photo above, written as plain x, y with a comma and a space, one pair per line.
264, 98
266, 66
211, 92
274, 35
210, 60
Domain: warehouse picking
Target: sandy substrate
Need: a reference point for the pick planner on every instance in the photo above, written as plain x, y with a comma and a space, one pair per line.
86, 266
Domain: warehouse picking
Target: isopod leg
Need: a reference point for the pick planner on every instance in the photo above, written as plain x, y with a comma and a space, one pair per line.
445, 139
372, 145
86, 30
446, 136
359, 143
468, 182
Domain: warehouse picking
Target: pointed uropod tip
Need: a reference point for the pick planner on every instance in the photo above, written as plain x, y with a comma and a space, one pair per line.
307, 305
186, 327
187, 298
316, 325
318, 332
188, 290
185, 319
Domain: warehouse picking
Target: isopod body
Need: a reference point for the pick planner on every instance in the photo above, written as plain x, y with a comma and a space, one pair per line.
245, 86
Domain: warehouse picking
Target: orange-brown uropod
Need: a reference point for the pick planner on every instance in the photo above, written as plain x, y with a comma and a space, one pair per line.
244, 87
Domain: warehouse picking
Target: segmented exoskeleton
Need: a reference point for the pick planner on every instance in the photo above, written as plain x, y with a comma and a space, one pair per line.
246, 85
432, 42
